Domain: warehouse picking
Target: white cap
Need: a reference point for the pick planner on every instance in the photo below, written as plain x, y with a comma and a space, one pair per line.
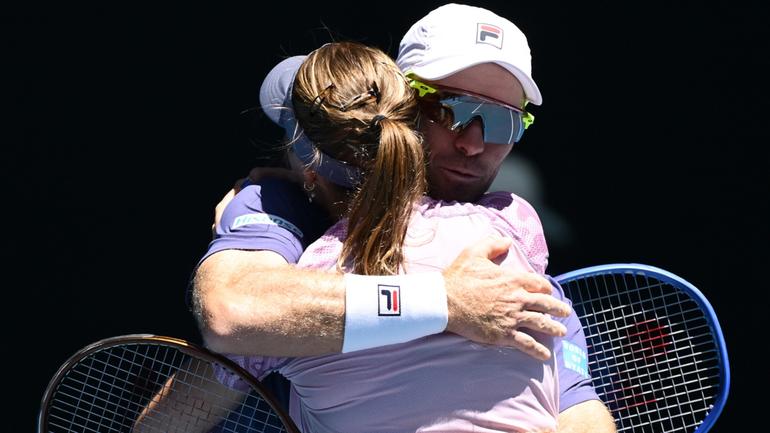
454, 37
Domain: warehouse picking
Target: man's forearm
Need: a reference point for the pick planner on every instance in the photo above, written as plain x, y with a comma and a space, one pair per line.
589, 416
254, 303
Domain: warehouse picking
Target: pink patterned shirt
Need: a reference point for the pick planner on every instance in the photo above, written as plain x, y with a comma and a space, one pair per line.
438, 383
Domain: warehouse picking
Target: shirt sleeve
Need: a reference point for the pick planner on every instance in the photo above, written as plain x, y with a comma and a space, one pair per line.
572, 358
274, 215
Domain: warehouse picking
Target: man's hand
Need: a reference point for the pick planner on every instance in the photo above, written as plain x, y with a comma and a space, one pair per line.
220, 208
494, 305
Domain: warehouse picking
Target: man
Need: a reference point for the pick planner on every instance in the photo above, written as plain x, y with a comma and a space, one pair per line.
250, 300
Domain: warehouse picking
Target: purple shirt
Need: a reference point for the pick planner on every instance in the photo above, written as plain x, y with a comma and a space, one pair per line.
274, 215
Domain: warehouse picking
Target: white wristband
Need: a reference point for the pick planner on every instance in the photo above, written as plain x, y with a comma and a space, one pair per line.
382, 310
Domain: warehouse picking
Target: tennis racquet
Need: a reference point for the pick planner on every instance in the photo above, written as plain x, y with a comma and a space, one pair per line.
656, 353
148, 383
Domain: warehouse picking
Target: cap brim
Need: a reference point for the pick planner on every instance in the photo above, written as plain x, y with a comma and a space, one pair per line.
447, 66
275, 88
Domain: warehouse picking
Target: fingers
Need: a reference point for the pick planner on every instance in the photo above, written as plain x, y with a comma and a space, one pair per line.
238, 185
531, 282
544, 303
542, 323
489, 248
494, 246
530, 346
224, 201
220, 207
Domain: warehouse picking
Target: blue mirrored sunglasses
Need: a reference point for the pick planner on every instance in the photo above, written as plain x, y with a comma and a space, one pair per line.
455, 109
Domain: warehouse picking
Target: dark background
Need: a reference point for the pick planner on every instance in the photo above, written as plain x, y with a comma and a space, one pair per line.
651, 147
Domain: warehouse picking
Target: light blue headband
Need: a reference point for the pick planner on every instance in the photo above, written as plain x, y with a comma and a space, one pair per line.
334, 170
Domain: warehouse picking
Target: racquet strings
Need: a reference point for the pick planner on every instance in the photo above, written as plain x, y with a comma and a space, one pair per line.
651, 352
109, 389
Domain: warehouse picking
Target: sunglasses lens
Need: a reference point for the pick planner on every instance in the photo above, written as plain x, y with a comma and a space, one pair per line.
501, 125
439, 113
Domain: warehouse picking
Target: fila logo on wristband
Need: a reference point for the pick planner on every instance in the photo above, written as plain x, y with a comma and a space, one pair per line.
489, 34
390, 300
369, 325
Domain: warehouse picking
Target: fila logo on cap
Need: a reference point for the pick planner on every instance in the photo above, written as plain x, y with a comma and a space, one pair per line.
390, 300
489, 34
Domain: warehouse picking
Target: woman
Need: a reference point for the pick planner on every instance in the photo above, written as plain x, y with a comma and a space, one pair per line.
362, 159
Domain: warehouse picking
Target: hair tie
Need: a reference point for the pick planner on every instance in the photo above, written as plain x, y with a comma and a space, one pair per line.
376, 120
